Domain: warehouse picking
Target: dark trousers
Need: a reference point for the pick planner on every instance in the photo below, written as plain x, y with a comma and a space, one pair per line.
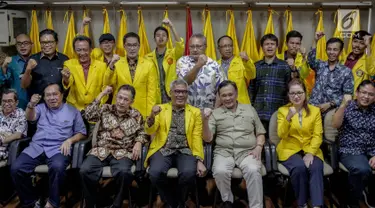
6, 187
304, 179
359, 172
187, 168
91, 172
24, 166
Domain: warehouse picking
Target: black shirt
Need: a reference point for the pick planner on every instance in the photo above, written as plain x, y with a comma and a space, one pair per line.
46, 72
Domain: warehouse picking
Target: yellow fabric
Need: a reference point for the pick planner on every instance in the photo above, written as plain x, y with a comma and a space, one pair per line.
97, 54
70, 34
169, 43
121, 33
269, 30
82, 92
231, 32
356, 27
49, 23
207, 32
289, 27
34, 32
106, 25
193, 126
169, 65
321, 45
145, 83
145, 47
373, 45
241, 73
249, 43
86, 28
337, 34
294, 138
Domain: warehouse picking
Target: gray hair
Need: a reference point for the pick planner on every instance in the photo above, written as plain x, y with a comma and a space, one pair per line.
179, 82
200, 36
8, 91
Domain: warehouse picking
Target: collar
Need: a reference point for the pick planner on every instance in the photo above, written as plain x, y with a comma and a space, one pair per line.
370, 109
178, 110
352, 58
160, 55
136, 61
275, 61
10, 114
55, 56
227, 61
19, 58
126, 114
327, 65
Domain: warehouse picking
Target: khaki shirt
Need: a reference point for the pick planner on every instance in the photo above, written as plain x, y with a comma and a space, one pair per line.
235, 133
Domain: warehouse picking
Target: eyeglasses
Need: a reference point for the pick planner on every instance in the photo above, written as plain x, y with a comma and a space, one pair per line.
198, 47
78, 50
131, 45
367, 93
226, 46
299, 94
45, 43
25, 43
8, 101
183, 92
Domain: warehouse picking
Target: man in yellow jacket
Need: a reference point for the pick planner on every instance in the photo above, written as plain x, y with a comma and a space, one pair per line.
238, 68
178, 129
136, 71
361, 61
83, 76
165, 60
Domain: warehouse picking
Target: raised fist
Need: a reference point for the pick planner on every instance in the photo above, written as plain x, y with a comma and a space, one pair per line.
31, 64
35, 99
7, 61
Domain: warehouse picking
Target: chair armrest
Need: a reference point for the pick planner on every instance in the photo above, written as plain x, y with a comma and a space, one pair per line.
333, 153
267, 156
273, 155
139, 163
83, 148
75, 154
16, 147
208, 156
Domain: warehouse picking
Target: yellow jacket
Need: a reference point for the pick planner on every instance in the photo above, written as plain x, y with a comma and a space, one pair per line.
82, 93
295, 138
193, 126
301, 65
169, 65
363, 69
241, 73
144, 83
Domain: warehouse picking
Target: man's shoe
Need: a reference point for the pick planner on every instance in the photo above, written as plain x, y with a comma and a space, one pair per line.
227, 204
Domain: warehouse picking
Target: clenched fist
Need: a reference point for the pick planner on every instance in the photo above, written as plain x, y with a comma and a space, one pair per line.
244, 56
86, 21
202, 60
167, 22
114, 60
7, 62
346, 99
31, 65
108, 90
155, 110
65, 74
35, 99
292, 111
319, 35
206, 113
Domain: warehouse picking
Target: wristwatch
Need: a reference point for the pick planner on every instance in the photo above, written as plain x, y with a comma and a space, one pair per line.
199, 158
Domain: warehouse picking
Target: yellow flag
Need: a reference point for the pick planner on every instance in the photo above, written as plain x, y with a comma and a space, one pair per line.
231, 32
49, 24
373, 45
169, 43
121, 32
249, 43
145, 47
269, 29
106, 26
70, 34
289, 27
34, 32
337, 33
86, 29
355, 28
321, 45
207, 32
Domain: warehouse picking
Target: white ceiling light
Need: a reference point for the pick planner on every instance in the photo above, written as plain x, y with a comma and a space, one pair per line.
216, 3
149, 2
24, 2
283, 4
362, 3
81, 3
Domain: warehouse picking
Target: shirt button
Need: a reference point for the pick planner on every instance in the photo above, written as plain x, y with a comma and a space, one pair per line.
266, 74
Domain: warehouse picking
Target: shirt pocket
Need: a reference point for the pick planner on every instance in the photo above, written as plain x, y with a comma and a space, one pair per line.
246, 123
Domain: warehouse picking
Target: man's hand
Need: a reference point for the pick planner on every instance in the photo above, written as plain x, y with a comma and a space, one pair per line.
201, 169
65, 147
367, 39
371, 162
302, 50
7, 62
86, 21
324, 107
65, 74
114, 60
345, 101
308, 159
319, 35
244, 56
167, 22
256, 153
155, 111
137, 149
202, 60
31, 64
35, 99
108, 90
290, 62
206, 113
292, 111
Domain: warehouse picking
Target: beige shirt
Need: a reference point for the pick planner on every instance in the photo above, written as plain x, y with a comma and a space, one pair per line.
235, 133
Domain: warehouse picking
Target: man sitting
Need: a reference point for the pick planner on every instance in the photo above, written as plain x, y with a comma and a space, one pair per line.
59, 125
178, 142
119, 142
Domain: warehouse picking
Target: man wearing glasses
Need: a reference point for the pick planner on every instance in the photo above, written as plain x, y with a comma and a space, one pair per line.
135, 71
12, 67
201, 73
44, 67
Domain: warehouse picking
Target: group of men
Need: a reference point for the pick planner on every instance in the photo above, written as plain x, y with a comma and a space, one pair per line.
180, 101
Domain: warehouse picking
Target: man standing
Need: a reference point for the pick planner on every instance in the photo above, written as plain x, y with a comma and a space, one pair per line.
83, 76
239, 139
355, 121
118, 143
59, 126
239, 69
136, 71
13, 67
333, 80
178, 129
165, 59
268, 91
201, 73
44, 67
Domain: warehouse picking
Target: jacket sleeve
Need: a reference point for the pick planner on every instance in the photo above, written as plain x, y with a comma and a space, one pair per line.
250, 71
197, 147
110, 77
317, 139
312, 61
150, 130
179, 49
304, 70
370, 65
151, 88
283, 126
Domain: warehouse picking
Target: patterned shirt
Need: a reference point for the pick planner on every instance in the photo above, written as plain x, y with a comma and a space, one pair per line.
132, 68
330, 85
225, 65
268, 91
356, 134
13, 123
164, 95
117, 134
202, 92
176, 140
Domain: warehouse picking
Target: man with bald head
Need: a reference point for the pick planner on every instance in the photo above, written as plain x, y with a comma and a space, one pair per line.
12, 67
